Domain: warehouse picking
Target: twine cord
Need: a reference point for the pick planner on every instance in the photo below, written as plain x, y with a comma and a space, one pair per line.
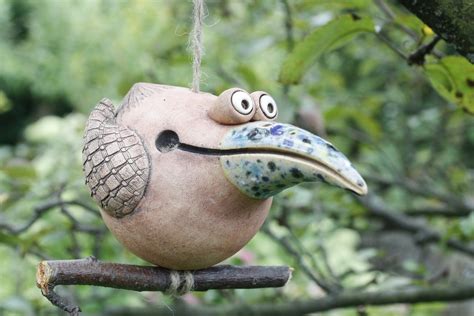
195, 42
181, 282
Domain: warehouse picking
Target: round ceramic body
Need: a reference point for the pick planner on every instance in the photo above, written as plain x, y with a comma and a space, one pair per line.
190, 216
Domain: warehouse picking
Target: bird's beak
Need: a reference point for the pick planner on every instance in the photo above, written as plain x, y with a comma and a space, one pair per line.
263, 158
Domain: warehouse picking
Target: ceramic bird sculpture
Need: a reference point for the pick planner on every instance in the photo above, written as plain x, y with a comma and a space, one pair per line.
184, 180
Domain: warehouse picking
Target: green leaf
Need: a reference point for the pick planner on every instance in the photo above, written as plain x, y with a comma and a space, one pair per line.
22, 171
248, 74
8, 239
453, 78
324, 38
345, 4
5, 104
466, 226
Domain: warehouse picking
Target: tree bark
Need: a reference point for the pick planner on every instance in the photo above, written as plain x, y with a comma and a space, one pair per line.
450, 19
90, 271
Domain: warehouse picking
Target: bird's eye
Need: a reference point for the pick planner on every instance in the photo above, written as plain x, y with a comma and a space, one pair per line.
242, 102
268, 106
267, 109
233, 106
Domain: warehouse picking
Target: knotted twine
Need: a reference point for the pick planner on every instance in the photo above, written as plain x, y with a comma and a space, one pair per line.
181, 283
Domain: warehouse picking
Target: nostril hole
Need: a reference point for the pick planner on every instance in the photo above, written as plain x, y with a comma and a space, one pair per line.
167, 141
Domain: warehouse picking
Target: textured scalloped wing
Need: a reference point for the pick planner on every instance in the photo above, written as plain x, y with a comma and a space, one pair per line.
115, 162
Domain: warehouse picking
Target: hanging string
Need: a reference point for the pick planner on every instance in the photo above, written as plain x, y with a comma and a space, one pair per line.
195, 39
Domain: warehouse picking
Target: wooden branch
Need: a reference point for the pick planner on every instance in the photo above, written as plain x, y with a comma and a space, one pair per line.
90, 271
462, 204
442, 211
422, 232
409, 295
325, 286
418, 57
450, 19
41, 210
290, 40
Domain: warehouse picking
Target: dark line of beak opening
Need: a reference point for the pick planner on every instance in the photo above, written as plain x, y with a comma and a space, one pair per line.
168, 141
238, 151
218, 152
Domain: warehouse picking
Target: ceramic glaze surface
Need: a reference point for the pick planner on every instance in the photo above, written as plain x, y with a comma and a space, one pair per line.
289, 155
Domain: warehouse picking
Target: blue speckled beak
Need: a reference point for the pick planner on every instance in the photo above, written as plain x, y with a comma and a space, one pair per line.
264, 158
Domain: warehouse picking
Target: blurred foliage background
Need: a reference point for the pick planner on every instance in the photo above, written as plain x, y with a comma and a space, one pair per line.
339, 68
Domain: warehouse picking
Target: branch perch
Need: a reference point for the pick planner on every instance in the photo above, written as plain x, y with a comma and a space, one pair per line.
90, 271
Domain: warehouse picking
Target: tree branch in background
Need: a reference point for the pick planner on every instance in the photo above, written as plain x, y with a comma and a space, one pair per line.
290, 38
437, 211
391, 17
147, 278
418, 57
422, 233
351, 299
461, 204
290, 41
450, 19
318, 279
41, 210
390, 45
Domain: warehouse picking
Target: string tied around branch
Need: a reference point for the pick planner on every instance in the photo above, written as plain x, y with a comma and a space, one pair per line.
181, 282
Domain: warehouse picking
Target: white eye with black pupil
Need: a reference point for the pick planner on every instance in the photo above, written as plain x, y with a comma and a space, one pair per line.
268, 106
242, 102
